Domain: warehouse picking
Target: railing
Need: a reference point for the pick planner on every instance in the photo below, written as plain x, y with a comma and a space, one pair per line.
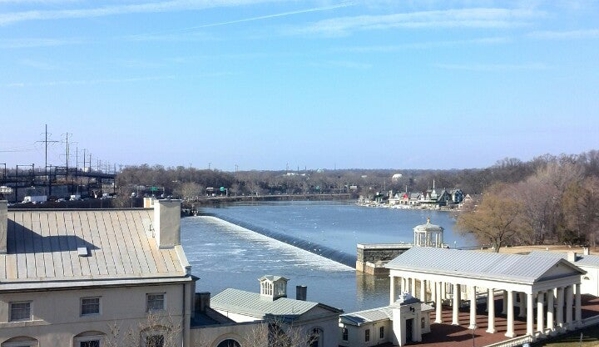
521, 340
590, 321
516, 341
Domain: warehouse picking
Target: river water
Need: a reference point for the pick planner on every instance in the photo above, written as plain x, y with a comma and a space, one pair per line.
226, 255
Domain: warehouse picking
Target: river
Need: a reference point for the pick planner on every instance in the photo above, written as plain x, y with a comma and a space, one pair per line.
227, 255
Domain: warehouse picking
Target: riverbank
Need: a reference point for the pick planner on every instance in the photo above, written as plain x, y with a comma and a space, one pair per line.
191, 207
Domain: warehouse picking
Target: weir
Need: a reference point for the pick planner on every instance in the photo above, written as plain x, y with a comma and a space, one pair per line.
312, 247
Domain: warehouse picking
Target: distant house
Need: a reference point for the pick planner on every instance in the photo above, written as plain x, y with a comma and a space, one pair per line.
66, 276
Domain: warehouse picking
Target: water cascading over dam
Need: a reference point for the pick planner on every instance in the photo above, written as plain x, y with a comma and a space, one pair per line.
323, 251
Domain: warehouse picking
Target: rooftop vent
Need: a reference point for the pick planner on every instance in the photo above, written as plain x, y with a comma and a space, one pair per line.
82, 251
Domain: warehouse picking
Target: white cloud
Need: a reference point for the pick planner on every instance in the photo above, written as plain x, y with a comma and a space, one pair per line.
493, 67
38, 42
565, 35
148, 7
87, 82
456, 18
428, 45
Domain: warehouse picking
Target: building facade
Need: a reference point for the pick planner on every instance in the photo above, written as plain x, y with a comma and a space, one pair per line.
90, 278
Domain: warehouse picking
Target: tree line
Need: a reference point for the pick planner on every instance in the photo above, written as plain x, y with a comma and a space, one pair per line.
557, 202
547, 199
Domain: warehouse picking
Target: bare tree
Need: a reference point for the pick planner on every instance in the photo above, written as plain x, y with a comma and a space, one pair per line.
496, 221
274, 332
157, 330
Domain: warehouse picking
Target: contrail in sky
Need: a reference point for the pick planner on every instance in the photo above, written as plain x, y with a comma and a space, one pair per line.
283, 14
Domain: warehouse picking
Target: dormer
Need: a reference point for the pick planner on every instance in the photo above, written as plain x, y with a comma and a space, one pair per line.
273, 287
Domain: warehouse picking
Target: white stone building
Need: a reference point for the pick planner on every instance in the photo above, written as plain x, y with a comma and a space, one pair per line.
400, 323
584, 260
68, 276
439, 275
311, 322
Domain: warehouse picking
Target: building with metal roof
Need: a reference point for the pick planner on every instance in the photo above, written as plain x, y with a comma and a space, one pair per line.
318, 321
549, 286
400, 323
584, 260
67, 275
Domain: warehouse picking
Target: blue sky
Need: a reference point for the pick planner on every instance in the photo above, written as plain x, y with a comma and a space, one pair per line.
269, 85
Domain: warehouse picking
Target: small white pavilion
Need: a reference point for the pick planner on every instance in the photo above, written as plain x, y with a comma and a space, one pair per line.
439, 275
428, 235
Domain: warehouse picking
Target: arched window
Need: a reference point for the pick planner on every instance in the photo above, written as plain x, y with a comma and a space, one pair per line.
229, 343
89, 339
316, 338
21, 341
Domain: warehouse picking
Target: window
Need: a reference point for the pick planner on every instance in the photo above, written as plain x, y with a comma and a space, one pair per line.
155, 302
367, 335
229, 343
90, 343
21, 341
20, 311
90, 306
382, 332
345, 334
155, 341
89, 339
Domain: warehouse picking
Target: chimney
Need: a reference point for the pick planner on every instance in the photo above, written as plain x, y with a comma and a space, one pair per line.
202, 302
167, 223
3, 226
572, 257
148, 202
301, 293
586, 251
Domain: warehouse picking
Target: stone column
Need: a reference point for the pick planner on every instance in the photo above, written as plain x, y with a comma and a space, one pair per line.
392, 294
569, 306
550, 314
540, 313
530, 318
560, 307
578, 311
522, 300
504, 308
433, 287
510, 314
413, 291
491, 310
423, 290
438, 304
456, 304
443, 290
472, 307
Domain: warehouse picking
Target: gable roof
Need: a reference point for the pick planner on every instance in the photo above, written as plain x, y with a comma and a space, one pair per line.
117, 247
257, 306
514, 268
375, 314
588, 260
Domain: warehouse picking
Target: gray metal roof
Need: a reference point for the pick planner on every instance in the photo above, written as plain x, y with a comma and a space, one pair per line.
474, 264
258, 306
375, 315
588, 260
43, 249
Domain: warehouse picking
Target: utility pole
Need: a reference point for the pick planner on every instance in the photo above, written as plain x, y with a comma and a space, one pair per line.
46, 141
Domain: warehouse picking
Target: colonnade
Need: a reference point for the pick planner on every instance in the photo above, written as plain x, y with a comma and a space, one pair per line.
557, 308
